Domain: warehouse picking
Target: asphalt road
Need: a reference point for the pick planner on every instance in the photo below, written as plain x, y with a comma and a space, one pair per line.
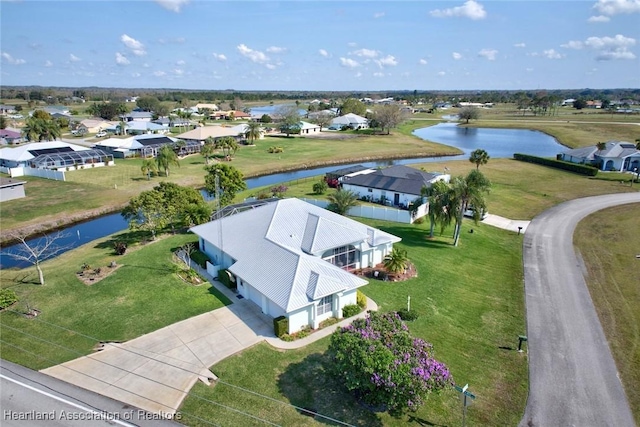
573, 380
29, 398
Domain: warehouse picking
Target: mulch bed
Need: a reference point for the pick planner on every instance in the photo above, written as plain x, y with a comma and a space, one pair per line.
94, 275
384, 275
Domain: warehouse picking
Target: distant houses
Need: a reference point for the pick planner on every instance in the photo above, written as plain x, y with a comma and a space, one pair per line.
617, 156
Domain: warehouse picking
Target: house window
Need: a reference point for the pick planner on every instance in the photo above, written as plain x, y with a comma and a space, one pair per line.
370, 190
345, 257
325, 305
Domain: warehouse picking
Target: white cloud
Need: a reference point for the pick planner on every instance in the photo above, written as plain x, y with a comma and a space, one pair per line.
489, 54
441, 73
552, 54
615, 7
135, 74
270, 66
323, 52
136, 46
180, 62
172, 5
378, 74
470, 9
219, 56
617, 53
11, 60
519, 45
422, 61
121, 59
74, 58
352, 44
276, 49
178, 72
378, 15
599, 18
456, 56
349, 63
159, 73
48, 63
358, 74
365, 53
528, 70
254, 55
573, 44
387, 61
610, 42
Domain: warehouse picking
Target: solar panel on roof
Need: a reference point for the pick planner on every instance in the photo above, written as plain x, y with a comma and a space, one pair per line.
37, 153
155, 141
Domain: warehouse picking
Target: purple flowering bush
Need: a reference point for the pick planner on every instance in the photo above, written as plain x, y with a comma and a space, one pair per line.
379, 360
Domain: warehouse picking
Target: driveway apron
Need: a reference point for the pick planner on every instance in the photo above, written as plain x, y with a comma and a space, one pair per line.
156, 371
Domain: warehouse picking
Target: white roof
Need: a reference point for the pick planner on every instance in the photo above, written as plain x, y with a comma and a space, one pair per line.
307, 125
349, 119
21, 153
122, 144
278, 249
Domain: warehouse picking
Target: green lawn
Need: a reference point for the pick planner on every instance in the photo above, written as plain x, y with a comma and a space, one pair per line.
142, 295
608, 242
471, 309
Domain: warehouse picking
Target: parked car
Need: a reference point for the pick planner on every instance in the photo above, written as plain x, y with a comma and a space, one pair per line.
469, 213
101, 134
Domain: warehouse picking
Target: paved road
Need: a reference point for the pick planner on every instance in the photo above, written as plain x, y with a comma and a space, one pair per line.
573, 378
29, 398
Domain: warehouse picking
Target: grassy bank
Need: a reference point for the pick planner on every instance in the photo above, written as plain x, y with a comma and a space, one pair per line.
140, 296
608, 242
471, 309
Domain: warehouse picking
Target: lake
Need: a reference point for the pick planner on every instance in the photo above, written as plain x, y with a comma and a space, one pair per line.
499, 143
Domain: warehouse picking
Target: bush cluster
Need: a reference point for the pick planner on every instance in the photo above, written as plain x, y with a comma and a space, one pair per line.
280, 326
224, 276
274, 149
320, 187
351, 310
200, 258
361, 299
407, 315
558, 164
7, 297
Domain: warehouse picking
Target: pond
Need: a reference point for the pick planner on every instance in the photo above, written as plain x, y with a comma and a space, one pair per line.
499, 143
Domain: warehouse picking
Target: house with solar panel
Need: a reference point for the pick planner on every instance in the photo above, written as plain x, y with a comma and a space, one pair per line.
38, 157
293, 259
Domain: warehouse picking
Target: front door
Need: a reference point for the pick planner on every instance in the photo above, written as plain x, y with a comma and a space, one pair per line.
396, 199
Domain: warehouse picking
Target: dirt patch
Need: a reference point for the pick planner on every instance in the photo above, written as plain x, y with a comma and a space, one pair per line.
91, 276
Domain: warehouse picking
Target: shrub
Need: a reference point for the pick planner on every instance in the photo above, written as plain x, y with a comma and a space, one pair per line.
274, 149
330, 321
281, 326
558, 164
361, 299
407, 314
379, 361
120, 247
7, 297
351, 310
263, 195
200, 258
225, 277
279, 190
419, 220
333, 183
320, 187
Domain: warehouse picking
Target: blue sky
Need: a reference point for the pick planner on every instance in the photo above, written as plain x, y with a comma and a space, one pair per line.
322, 45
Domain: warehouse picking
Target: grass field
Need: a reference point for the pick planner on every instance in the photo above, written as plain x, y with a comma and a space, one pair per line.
471, 309
141, 296
608, 242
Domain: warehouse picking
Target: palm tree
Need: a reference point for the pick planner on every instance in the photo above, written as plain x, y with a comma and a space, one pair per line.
437, 195
208, 149
149, 166
638, 144
479, 157
601, 146
122, 127
253, 132
341, 201
465, 192
228, 145
397, 261
166, 157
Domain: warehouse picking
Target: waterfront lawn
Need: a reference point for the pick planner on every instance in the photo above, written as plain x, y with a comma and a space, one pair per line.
471, 307
142, 295
608, 242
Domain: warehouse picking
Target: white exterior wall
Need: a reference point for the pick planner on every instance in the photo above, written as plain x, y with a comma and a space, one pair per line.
12, 192
348, 298
377, 194
217, 257
300, 318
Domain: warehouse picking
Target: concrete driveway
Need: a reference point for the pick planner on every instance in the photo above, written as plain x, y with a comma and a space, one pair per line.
156, 371
573, 380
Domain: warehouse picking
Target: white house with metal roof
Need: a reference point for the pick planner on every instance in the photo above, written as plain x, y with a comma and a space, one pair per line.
350, 120
292, 258
617, 156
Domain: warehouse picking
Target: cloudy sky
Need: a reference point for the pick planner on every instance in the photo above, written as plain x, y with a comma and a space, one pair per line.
321, 45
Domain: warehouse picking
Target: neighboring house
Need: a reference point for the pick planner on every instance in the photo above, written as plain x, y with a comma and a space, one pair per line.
96, 125
243, 128
568, 102
11, 189
317, 114
151, 144
292, 258
119, 148
350, 120
307, 128
7, 109
51, 155
138, 116
618, 156
394, 186
8, 136
201, 133
55, 109
138, 128
212, 107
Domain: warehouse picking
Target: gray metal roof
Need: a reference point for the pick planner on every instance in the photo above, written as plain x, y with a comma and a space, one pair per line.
614, 149
271, 243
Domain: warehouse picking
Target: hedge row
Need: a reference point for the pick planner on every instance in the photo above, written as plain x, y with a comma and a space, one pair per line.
281, 326
559, 164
